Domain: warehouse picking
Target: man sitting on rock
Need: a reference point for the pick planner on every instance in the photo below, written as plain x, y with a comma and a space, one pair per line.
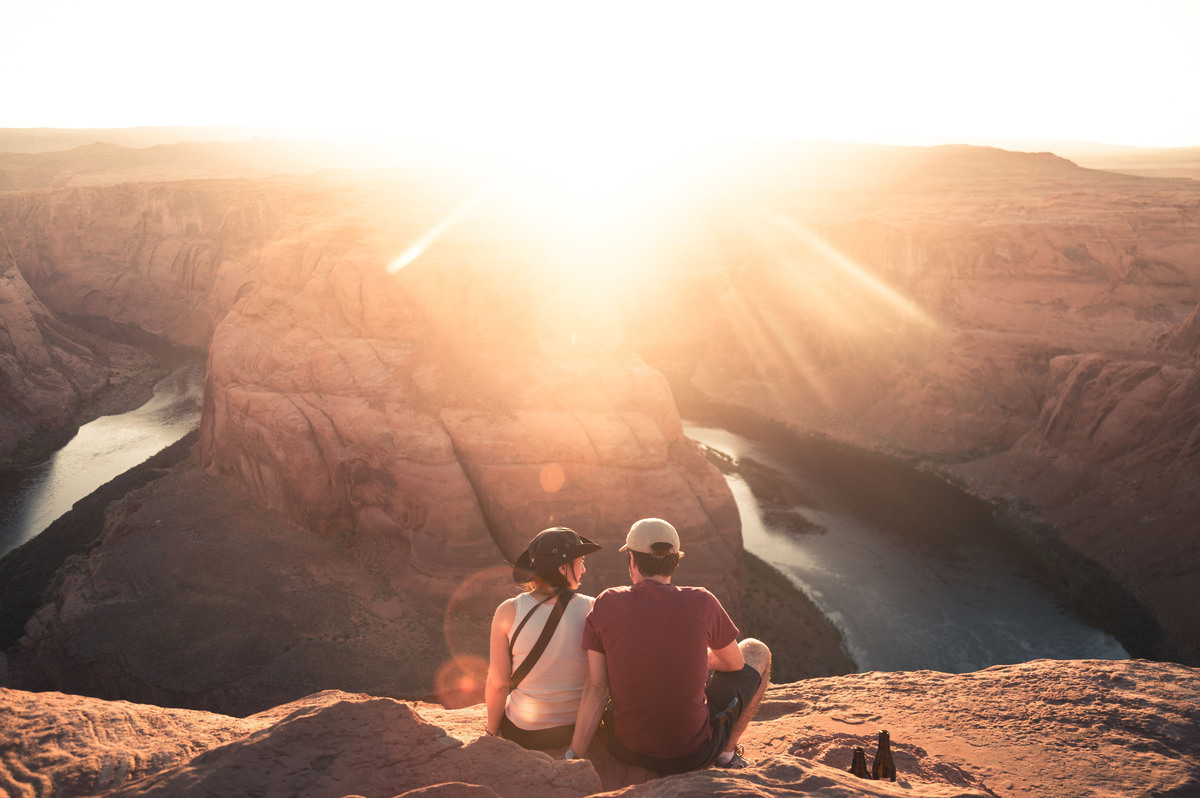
652, 645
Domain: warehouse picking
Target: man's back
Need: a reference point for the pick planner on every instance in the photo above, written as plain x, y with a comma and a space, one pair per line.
656, 638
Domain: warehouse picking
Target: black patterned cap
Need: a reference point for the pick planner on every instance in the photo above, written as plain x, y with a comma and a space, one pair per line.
549, 549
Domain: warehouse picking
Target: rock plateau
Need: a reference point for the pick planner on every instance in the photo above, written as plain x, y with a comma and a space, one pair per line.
1083, 728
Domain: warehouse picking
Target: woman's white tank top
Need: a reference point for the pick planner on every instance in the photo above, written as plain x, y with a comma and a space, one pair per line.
549, 694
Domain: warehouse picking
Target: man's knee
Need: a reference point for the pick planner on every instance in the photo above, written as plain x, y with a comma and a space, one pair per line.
757, 655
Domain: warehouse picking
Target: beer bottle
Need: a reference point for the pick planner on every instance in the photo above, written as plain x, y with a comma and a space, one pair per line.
884, 767
859, 766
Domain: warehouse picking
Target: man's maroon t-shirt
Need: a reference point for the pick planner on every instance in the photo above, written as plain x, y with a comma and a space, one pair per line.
656, 638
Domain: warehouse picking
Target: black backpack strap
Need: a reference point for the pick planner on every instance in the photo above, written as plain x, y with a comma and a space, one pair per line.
512, 641
556, 614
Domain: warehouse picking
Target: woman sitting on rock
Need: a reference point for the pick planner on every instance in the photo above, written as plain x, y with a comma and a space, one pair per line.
538, 666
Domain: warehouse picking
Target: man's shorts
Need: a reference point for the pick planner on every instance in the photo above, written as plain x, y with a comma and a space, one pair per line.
728, 693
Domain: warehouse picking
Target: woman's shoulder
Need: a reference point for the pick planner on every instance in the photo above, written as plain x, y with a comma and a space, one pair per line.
506, 610
579, 608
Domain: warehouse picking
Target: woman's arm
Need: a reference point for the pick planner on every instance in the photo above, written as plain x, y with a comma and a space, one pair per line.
499, 664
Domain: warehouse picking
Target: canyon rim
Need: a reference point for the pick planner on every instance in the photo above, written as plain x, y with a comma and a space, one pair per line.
389, 416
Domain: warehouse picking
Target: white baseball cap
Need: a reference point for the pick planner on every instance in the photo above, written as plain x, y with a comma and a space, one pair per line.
645, 533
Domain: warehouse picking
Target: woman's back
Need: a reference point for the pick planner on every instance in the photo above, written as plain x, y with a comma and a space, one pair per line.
549, 694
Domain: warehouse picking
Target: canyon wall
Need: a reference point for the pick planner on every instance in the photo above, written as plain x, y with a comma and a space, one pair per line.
403, 412
1022, 326
48, 369
443, 412
404, 370
171, 258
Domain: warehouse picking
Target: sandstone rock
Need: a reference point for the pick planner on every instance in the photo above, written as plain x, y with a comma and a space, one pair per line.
1113, 461
1104, 409
1011, 321
66, 745
195, 598
1040, 728
926, 325
369, 746
169, 258
413, 428
444, 412
47, 369
1185, 337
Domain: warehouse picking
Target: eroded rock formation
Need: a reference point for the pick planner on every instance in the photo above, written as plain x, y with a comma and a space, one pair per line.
1041, 728
407, 431
443, 412
48, 369
1021, 325
462, 398
169, 258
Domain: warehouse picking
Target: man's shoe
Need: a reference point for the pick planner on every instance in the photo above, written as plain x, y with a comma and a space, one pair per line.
737, 762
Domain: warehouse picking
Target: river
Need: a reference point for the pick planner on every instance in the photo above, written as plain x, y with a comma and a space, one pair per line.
32, 498
914, 573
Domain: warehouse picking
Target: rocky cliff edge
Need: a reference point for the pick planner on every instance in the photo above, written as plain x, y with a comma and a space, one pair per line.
1078, 728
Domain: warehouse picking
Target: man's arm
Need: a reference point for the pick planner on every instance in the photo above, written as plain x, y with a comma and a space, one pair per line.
726, 659
591, 705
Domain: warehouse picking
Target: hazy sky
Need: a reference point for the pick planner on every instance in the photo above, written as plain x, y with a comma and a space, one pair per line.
899, 71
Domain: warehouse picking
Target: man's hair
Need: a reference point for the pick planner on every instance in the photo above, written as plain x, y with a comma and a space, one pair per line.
662, 562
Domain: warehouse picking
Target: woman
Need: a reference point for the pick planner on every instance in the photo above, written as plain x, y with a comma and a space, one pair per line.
534, 704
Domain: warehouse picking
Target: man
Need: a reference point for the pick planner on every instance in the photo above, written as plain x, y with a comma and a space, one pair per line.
652, 645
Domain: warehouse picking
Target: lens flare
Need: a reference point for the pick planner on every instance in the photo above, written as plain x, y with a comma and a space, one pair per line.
460, 681
467, 622
430, 236
552, 477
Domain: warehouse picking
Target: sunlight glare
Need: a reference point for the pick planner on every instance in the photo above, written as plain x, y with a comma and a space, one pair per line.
596, 204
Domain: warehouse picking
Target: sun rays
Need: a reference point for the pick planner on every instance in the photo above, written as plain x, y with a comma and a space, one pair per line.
776, 294
801, 313
431, 236
899, 306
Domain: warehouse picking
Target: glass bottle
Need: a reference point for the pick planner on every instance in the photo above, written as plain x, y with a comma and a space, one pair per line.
859, 766
884, 767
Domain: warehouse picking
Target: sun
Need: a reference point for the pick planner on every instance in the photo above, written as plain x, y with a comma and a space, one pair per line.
597, 205
598, 215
